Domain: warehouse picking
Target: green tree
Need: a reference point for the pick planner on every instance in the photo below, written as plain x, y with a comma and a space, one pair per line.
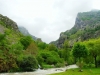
25, 41
79, 51
66, 51
28, 63
94, 49
16, 48
32, 49
48, 57
52, 47
42, 45
60, 52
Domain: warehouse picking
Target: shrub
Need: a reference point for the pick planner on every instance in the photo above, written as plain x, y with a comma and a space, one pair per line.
40, 60
49, 58
46, 66
28, 63
70, 61
26, 41
60, 65
90, 65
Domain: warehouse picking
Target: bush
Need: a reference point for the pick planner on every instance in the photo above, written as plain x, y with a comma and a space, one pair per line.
49, 58
89, 65
98, 61
60, 65
26, 41
52, 60
28, 63
46, 66
70, 61
40, 60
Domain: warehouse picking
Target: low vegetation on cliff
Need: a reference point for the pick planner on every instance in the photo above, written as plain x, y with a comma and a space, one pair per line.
80, 45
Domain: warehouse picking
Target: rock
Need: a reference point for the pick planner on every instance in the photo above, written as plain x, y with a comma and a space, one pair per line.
7, 22
80, 70
58, 70
87, 26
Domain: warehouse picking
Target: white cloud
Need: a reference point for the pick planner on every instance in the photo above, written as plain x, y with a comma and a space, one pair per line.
46, 19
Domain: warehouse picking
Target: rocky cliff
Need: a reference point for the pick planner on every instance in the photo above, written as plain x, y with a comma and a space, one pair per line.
10, 29
87, 26
8, 23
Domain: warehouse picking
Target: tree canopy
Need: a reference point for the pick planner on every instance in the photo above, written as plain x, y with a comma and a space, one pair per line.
79, 50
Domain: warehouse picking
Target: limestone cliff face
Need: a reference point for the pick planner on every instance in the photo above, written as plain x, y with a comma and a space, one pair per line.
8, 23
87, 25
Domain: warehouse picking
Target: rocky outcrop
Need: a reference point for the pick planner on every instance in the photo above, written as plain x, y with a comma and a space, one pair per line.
2, 29
6, 22
87, 25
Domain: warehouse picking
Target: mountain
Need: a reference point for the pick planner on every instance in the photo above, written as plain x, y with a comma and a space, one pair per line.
9, 26
87, 26
15, 46
5, 22
9, 29
25, 32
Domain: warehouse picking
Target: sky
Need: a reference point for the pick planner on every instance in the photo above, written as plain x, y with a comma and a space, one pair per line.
46, 19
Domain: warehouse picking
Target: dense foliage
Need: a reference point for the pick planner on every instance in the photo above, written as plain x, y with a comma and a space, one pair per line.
25, 54
22, 53
79, 51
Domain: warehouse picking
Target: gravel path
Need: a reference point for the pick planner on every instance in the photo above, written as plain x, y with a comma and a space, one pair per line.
43, 72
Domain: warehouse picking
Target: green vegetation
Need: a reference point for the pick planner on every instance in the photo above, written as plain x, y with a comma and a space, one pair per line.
86, 55
87, 26
89, 71
79, 52
22, 53
28, 63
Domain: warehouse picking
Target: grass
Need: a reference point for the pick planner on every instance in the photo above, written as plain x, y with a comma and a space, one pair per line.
92, 71
45, 66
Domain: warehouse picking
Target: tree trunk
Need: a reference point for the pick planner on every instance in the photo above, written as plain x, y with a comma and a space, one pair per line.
95, 61
80, 65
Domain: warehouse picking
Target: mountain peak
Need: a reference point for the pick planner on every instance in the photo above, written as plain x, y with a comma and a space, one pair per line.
7, 22
25, 32
87, 26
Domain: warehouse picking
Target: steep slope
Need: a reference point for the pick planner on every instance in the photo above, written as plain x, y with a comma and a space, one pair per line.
8, 23
25, 32
87, 25
15, 46
10, 28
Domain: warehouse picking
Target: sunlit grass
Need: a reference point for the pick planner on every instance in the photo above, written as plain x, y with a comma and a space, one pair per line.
92, 71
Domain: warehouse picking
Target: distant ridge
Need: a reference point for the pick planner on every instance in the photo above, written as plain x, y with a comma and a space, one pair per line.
87, 26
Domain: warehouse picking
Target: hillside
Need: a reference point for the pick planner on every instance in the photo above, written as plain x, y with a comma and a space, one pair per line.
10, 28
8, 23
19, 53
25, 32
15, 48
87, 26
